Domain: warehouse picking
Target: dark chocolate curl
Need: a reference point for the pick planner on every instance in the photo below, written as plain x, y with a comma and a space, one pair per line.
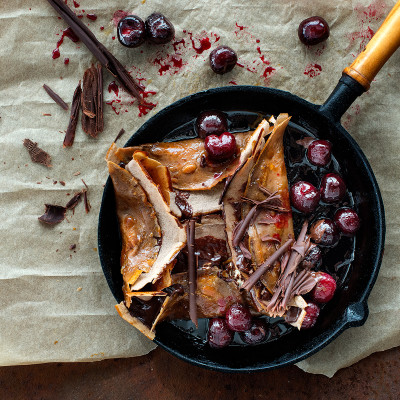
53, 214
73, 119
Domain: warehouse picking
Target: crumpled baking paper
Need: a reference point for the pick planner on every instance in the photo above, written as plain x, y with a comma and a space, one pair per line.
55, 304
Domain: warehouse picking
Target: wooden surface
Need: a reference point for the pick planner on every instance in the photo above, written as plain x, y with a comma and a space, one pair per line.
161, 376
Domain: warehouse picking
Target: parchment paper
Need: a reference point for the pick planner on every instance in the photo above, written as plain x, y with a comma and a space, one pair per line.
54, 302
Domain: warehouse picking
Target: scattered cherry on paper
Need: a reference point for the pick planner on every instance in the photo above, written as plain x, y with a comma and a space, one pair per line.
222, 59
313, 30
131, 31
159, 29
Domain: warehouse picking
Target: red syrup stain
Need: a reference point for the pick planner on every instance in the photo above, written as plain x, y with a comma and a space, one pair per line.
204, 44
113, 38
172, 63
69, 33
113, 87
312, 70
102, 28
146, 106
232, 82
111, 103
76, 4
66, 61
92, 17
118, 15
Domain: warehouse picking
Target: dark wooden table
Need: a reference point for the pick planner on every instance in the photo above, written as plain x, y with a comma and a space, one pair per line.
160, 376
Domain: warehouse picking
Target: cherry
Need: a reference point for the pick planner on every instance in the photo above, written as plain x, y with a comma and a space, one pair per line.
159, 29
304, 197
222, 59
220, 148
324, 232
313, 258
310, 319
324, 289
319, 152
238, 318
347, 221
313, 30
219, 335
333, 188
211, 123
255, 334
131, 31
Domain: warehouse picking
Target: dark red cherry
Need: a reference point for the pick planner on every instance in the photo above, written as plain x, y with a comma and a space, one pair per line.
310, 319
347, 221
211, 123
220, 148
131, 31
238, 318
159, 29
304, 197
219, 335
313, 30
324, 232
255, 334
333, 188
222, 59
324, 289
313, 258
319, 152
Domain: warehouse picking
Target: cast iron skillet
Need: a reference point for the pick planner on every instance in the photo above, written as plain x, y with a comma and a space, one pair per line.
349, 306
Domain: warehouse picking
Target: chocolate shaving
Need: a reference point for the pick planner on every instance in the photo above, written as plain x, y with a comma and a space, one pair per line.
267, 219
92, 101
245, 251
292, 315
53, 214
270, 239
73, 119
99, 51
183, 205
192, 272
37, 154
57, 99
73, 202
86, 202
260, 271
121, 132
242, 227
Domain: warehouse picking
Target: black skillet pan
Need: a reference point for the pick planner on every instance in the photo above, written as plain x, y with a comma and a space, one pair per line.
349, 307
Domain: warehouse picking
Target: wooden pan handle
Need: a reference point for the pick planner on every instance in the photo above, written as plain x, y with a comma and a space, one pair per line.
380, 48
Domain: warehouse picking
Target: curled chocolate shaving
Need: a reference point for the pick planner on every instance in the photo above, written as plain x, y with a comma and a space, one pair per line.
183, 205
99, 51
73, 119
242, 226
86, 201
192, 271
73, 202
121, 132
53, 214
99, 111
270, 239
37, 154
260, 271
57, 99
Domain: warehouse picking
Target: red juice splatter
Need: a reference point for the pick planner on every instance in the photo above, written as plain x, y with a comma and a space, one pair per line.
177, 43
268, 72
80, 16
277, 236
172, 63
111, 103
232, 82
102, 28
76, 4
92, 17
113, 38
66, 61
312, 70
113, 87
204, 44
69, 33
118, 15
258, 50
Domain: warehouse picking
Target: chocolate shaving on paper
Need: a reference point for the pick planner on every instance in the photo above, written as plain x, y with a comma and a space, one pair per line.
53, 214
92, 101
73, 119
73, 202
260, 271
37, 154
99, 51
192, 271
121, 132
85, 197
57, 99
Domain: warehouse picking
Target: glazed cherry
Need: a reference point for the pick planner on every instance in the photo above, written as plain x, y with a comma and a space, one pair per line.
159, 29
256, 333
220, 148
304, 197
319, 152
219, 335
313, 30
222, 59
131, 31
313, 258
347, 221
333, 188
324, 289
310, 319
211, 123
324, 232
238, 318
